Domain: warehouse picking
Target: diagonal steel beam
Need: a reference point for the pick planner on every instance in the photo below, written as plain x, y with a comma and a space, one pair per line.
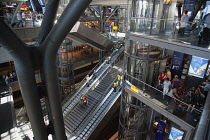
93, 13
115, 9
26, 78
49, 48
48, 20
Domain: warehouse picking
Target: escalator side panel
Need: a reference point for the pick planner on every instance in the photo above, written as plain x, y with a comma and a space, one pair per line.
82, 33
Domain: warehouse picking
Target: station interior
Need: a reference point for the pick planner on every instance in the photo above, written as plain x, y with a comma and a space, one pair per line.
104, 69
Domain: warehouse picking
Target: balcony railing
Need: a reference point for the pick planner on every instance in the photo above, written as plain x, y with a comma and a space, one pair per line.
177, 106
169, 30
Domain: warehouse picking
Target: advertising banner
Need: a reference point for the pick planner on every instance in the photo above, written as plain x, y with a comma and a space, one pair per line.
189, 5
177, 63
176, 134
198, 66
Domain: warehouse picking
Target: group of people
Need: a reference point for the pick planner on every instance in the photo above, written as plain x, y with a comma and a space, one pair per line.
173, 89
21, 19
10, 77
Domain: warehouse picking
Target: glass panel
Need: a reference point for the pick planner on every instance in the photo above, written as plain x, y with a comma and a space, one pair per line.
180, 106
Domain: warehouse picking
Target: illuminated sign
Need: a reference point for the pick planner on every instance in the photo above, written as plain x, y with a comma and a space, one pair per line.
133, 88
176, 134
198, 66
115, 27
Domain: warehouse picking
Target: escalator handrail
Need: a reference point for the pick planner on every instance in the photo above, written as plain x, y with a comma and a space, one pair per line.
106, 110
84, 83
104, 93
78, 93
82, 19
84, 79
101, 103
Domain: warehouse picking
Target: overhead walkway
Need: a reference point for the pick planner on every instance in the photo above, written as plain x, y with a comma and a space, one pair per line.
80, 121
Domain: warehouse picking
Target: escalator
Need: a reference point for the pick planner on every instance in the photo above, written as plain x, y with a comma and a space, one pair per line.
101, 97
37, 5
83, 34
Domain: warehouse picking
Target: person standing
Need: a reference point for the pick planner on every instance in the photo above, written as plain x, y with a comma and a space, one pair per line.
94, 74
206, 86
118, 79
115, 86
194, 100
19, 19
33, 18
88, 80
85, 101
175, 82
81, 99
6, 80
168, 74
161, 77
183, 23
24, 18
166, 86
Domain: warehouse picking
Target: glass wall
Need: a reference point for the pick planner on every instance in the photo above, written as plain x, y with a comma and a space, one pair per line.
65, 68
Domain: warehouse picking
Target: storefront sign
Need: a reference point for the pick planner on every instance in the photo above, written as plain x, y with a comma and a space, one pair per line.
176, 134
198, 66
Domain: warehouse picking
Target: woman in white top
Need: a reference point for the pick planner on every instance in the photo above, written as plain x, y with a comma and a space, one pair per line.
166, 87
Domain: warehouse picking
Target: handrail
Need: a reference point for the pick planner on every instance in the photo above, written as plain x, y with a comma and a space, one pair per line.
82, 19
159, 19
107, 109
75, 95
102, 95
160, 91
107, 88
82, 82
86, 121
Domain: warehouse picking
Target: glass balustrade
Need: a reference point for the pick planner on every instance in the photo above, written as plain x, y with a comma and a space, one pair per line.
170, 30
178, 105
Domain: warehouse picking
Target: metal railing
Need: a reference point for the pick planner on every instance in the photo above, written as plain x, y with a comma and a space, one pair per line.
82, 83
77, 92
84, 122
145, 89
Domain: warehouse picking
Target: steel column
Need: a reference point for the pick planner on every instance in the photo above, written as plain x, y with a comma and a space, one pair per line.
203, 125
116, 8
50, 47
16, 10
48, 20
26, 78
